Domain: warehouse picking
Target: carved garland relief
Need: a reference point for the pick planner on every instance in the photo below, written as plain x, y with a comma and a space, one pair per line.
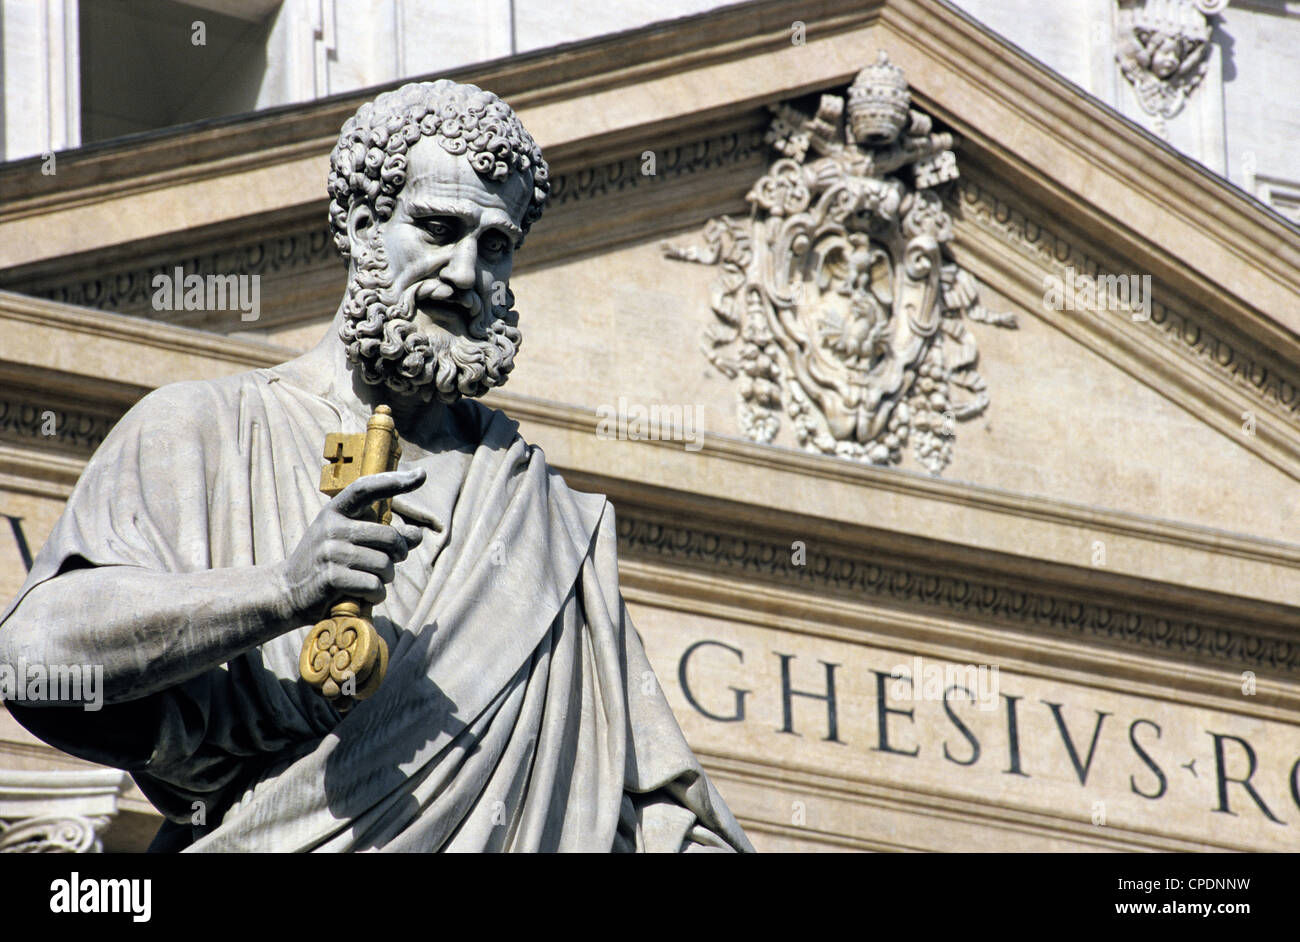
837, 300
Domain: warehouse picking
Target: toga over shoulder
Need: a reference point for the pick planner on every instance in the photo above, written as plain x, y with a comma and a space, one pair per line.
510, 718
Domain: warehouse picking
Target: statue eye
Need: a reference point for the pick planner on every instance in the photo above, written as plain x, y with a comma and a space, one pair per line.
441, 230
494, 243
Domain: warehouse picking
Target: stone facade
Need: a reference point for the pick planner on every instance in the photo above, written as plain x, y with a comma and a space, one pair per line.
1075, 632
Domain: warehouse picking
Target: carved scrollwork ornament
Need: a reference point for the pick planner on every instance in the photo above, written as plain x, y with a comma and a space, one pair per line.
1163, 49
53, 834
837, 300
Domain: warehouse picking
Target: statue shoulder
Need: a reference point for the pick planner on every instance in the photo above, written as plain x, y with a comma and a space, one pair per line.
483, 425
499, 430
181, 412
191, 398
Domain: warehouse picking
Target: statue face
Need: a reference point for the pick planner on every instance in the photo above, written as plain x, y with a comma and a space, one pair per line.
1166, 56
427, 311
451, 237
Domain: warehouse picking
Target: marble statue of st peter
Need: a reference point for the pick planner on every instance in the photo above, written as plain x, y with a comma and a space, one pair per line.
197, 551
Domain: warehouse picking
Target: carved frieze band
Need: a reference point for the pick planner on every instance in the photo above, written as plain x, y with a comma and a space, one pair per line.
716, 153
25, 421
822, 573
1193, 337
131, 290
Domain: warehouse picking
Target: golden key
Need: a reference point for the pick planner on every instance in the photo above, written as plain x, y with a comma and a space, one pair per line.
343, 656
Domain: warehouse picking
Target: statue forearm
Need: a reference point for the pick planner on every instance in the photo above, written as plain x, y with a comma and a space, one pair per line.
147, 630
151, 630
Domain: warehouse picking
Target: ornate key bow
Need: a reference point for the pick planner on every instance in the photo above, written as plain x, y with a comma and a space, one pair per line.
343, 656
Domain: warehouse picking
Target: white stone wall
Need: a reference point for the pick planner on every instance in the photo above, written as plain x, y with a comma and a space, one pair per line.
39, 77
1262, 102
326, 47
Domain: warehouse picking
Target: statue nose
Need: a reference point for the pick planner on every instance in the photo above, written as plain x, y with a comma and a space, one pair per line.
460, 269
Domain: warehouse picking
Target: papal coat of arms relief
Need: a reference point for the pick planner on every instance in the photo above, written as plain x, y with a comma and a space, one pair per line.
837, 300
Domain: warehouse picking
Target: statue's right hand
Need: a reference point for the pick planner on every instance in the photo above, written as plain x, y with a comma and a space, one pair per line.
341, 556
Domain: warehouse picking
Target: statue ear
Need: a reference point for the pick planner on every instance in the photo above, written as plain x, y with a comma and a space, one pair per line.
362, 228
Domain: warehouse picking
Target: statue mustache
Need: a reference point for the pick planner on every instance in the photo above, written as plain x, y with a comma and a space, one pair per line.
438, 291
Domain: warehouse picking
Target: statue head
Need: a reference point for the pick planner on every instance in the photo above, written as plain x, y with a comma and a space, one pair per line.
1166, 54
1171, 34
432, 189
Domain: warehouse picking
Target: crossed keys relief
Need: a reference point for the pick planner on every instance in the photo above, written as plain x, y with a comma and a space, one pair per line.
837, 301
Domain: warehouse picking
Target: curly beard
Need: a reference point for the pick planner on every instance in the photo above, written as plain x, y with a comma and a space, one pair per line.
386, 346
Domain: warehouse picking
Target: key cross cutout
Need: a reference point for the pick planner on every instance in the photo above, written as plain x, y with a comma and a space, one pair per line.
343, 452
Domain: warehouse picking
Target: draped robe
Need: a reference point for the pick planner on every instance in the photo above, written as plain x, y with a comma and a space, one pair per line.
519, 711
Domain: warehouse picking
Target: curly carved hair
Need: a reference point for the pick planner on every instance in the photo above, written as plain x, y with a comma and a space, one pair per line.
369, 162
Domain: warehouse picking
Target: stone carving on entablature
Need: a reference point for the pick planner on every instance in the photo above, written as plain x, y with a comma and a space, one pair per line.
1163, 50
1271, 381
53, 834
703, 547
838, 299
